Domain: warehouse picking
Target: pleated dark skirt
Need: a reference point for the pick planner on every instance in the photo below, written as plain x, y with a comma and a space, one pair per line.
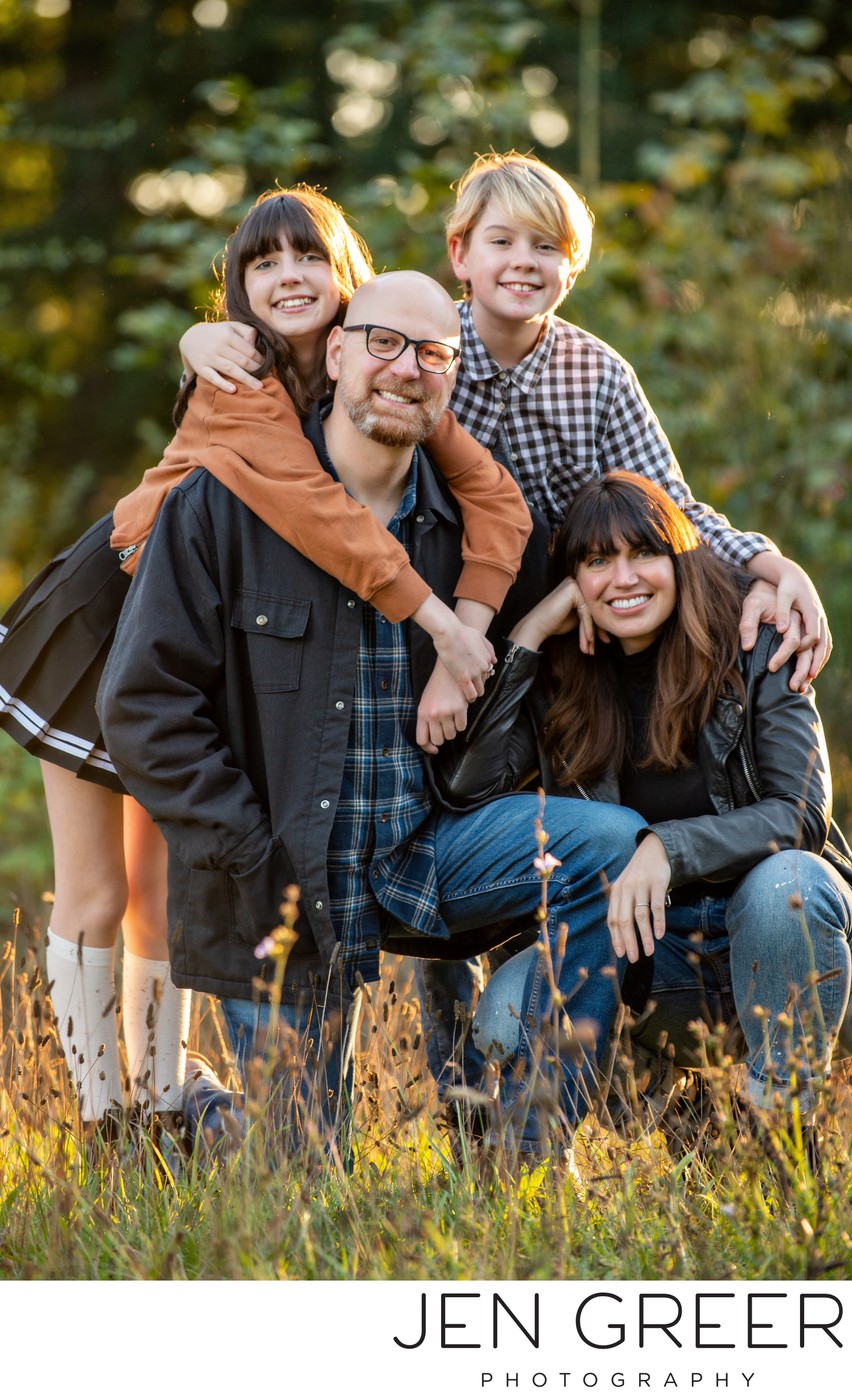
54, 641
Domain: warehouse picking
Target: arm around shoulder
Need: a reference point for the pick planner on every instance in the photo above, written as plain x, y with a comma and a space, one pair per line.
497, 521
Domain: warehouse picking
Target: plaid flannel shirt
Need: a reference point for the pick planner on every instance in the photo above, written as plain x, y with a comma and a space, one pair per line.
381, 857
569, 412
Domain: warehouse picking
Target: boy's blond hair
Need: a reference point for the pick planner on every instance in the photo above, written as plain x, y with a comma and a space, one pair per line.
532, 193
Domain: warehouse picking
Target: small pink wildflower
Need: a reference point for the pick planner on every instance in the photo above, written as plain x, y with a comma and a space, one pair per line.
265, 948
546, 863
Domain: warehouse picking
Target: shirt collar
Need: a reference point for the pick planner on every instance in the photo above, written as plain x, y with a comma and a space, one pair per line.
422, 489
480, 367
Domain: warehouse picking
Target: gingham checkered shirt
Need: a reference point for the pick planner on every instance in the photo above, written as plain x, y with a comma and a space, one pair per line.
571, 411
381, 858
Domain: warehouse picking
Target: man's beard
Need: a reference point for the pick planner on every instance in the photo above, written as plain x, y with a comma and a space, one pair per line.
384, 427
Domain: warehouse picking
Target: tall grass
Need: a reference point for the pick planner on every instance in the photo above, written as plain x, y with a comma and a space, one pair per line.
420, 1200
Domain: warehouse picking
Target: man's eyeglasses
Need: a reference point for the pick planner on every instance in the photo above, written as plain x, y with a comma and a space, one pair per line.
432, 355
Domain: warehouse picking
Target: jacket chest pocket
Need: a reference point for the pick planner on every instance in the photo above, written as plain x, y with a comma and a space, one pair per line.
274, 627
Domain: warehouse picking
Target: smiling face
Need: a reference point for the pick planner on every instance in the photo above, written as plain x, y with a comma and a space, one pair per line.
517, 274
630, 590
395, 403
294, 293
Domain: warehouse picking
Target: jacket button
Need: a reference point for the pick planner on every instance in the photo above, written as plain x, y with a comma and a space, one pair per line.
318, 906
262, 620
420, 518
351, 605
324, 804
340, 707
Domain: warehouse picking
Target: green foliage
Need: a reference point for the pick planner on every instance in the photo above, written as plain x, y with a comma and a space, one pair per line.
26, 870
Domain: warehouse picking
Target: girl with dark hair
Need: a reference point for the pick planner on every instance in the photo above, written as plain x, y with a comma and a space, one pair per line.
628, 684
290, 269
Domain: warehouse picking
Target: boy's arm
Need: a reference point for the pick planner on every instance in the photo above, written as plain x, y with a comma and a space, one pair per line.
634, 440
496, 519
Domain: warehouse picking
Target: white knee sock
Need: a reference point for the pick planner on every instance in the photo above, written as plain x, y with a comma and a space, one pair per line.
82, 984
156, 1026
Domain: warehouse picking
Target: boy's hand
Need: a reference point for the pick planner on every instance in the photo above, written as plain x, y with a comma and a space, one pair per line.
442, 712
212, 349
789, 600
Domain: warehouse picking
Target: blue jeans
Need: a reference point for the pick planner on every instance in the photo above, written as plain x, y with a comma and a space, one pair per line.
486, 875
773, 963
294, 1068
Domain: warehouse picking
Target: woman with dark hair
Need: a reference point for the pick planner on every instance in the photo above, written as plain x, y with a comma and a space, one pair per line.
627, 683
290, 269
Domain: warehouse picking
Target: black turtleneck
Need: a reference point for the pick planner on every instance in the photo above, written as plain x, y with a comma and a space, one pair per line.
657, 795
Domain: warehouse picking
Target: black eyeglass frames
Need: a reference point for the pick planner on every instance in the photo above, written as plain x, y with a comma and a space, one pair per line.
432, 355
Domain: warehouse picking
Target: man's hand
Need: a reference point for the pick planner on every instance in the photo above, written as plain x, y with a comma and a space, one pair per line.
638, 898
223, 353
442, 711
796, 611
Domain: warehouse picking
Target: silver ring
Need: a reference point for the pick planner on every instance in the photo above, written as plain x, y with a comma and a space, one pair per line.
638, 905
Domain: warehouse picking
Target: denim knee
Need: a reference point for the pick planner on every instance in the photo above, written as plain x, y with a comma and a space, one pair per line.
797, 888
789, 923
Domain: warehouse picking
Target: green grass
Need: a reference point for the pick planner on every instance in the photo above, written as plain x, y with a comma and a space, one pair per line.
412, 1207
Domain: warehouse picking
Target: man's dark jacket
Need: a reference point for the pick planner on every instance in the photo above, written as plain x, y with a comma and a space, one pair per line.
226, 706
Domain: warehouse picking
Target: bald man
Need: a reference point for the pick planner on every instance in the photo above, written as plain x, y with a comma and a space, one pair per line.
265, 717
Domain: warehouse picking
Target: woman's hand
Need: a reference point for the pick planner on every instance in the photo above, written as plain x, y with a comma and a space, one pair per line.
637, 898
561, 611
220, 351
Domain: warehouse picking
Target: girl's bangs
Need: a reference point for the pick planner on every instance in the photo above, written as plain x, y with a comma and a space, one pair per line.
281, 217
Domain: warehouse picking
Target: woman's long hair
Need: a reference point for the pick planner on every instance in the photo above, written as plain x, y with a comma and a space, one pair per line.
586, 730
310, 222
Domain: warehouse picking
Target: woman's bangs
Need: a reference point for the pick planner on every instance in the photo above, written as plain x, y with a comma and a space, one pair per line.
618, 520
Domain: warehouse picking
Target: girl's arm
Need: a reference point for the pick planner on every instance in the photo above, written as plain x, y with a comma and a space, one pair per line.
497, 522
496, 519
498, 752
253, 443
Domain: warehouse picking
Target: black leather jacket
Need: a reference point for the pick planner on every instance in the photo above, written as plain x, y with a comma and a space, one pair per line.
765, 764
